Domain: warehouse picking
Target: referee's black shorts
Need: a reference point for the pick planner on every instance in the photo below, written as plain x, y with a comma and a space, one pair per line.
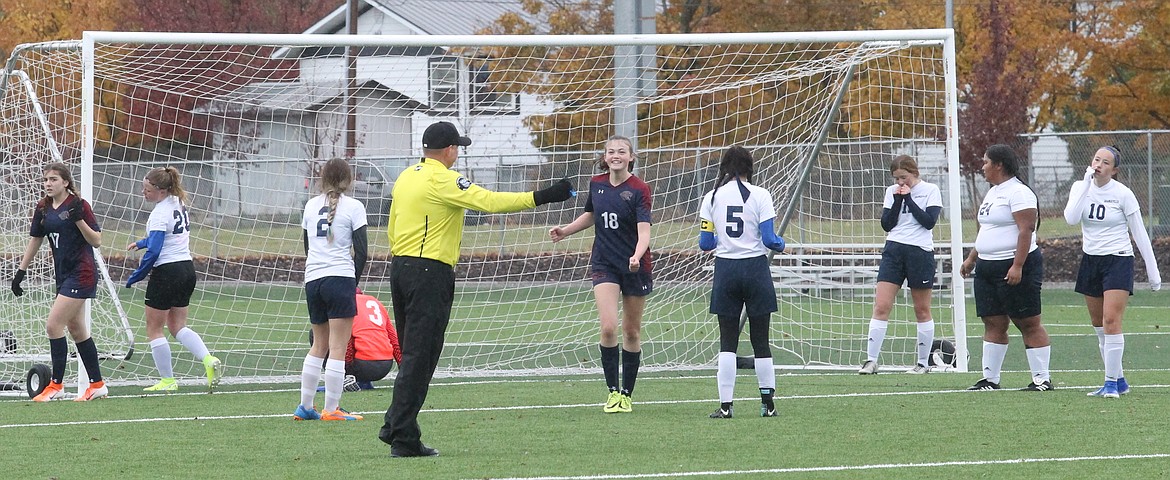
993, 296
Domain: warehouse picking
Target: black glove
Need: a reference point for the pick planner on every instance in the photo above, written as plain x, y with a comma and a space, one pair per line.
77, 211
16, 279
558, 192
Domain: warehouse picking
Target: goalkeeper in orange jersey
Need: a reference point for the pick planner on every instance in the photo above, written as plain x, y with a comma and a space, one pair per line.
373, 347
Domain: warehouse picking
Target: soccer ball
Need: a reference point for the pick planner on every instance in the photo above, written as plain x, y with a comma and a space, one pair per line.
942, 355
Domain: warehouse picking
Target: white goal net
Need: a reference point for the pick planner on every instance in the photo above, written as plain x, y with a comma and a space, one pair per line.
248, 118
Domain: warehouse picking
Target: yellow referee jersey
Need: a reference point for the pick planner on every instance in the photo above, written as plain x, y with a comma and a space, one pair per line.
426, 216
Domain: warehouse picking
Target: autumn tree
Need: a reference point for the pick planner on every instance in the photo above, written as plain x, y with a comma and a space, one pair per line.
579, 79
30, 22
997, 91
1125, 83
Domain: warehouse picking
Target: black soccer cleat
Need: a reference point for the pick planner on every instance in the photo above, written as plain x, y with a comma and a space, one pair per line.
984, 384
766, 411
1038, 387
721, 413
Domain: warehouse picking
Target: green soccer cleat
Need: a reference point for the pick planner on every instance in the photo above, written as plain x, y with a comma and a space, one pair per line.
214, 369
612, 402
164, 385
625, 404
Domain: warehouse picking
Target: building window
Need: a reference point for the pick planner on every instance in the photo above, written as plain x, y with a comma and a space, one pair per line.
444, 85
484, 100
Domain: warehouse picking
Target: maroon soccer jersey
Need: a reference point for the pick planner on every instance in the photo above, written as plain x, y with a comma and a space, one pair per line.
616, 214
72, 255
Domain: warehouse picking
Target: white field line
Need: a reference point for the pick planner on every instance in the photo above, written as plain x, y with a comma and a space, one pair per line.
507, 408
843, 468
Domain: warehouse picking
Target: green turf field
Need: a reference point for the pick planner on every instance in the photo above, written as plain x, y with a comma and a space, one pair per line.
831, 424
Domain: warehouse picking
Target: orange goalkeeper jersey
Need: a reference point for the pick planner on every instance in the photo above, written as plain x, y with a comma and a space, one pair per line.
374, 337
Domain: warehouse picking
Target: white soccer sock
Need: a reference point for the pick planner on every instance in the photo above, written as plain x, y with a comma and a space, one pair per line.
877, 335
766, 373
925, 340
193, 342
1114, 351
310, 376
1101, 348
725, 377
1100, 341
160, 349
334, 382
993, 354
1038, 362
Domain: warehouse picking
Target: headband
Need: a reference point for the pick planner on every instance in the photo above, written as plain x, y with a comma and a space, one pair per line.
1115, 152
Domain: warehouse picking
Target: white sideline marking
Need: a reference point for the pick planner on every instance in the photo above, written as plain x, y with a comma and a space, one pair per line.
528, 407
841, 468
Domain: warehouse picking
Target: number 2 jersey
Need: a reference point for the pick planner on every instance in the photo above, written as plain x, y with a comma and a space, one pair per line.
617, 211
325, 258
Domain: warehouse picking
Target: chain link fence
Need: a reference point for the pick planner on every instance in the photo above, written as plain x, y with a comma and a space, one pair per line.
1053, 161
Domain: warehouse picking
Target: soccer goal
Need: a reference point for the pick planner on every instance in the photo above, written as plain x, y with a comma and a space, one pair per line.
248, 119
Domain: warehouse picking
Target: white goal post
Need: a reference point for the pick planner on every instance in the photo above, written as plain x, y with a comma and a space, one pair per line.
247, 118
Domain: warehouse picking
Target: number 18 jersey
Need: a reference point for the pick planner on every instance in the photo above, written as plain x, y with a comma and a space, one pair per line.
617, 211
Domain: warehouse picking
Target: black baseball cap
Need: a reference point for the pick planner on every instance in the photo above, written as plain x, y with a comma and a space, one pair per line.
443, 135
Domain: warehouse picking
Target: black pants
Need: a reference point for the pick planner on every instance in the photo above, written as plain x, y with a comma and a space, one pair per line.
369, 370
422, 291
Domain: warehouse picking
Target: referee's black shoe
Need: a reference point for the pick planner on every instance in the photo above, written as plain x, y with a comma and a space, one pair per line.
421, 451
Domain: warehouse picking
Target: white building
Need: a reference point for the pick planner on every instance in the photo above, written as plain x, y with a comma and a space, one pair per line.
401, 91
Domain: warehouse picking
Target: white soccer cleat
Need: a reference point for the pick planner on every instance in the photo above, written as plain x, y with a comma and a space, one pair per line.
919, 369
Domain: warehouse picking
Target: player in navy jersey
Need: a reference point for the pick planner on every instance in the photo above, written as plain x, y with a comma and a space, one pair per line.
1109, 215
910, 210
172, 278
1009, 271
618, 207
73, 232
336, 247
736, 221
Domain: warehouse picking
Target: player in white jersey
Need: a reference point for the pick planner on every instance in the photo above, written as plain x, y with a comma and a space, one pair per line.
736, 220
910, 210
172, 278
336, 247
1109, 214
1009, 271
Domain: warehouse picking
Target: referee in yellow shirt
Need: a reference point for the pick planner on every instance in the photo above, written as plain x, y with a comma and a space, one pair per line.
425, 229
